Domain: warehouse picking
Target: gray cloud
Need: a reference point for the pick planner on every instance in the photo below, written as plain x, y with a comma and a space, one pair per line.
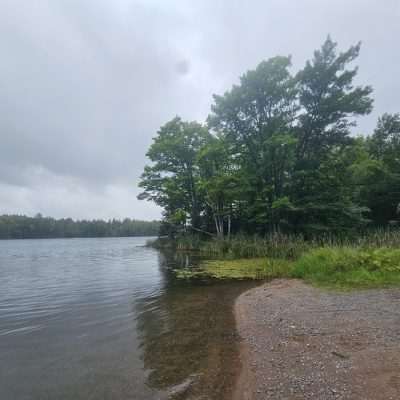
84, 85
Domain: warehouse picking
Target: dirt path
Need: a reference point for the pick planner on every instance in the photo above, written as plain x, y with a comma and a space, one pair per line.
299, 342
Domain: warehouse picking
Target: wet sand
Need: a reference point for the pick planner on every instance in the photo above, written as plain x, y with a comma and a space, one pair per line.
300, 342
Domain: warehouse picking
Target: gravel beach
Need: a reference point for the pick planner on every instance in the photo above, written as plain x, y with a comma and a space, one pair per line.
300, 342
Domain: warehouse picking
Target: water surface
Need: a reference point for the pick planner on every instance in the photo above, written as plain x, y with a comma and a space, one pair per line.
106, 319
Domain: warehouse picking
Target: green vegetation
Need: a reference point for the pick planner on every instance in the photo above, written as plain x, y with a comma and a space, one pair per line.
276, 155
275, 185
253, 268
22, 227
349, 267
367, 261
279, 246
335, 267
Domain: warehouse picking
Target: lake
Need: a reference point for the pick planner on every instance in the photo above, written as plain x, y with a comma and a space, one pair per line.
107, 319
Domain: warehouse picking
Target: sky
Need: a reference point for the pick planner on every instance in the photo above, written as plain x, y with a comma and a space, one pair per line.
85, 84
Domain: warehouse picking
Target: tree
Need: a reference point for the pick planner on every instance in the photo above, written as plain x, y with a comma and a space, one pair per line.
277, 155
385, 142
256, 118
329, 101
220, 183
379, 174
328, 104
23, 227
172, 180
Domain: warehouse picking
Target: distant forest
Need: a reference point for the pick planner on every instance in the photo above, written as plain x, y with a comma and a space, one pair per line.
277, 154
38, 227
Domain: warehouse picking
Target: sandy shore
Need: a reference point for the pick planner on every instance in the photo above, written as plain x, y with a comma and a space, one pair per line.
299, 342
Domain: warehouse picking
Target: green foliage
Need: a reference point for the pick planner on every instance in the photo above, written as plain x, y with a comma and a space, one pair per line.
277, 157
256, 118
340, 267
349, 267
379, 174
172, 181
321, 190
22, 227
219, 182
329, 101
385, 142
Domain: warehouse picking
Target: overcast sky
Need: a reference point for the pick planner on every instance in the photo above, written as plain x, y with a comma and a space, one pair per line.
84, 84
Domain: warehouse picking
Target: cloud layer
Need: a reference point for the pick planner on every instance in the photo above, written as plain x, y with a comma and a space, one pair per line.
84, 85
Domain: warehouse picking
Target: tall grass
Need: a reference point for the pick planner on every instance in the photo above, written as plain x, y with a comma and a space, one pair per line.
289, 247
273, 246
281, 246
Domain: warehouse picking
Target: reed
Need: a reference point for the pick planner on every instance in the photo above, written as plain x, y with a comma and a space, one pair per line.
368, 260
291, 247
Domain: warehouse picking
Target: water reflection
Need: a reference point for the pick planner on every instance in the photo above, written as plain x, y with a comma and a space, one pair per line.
187, 334
89, 319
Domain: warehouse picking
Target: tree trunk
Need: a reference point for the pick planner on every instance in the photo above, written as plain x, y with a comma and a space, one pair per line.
219, 224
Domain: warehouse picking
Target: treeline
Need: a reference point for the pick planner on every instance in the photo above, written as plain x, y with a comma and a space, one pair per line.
23, 227
277, 155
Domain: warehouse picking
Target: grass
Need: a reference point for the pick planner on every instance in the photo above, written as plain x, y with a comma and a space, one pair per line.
335, 267
346, 267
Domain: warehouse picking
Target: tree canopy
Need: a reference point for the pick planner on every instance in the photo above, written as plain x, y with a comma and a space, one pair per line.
276, 154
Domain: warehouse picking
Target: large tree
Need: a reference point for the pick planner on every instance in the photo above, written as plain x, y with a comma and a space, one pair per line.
329, 103
220, 183
256, 117
172, 179
278, 155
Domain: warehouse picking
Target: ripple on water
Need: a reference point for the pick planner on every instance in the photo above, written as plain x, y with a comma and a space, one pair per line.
105, 319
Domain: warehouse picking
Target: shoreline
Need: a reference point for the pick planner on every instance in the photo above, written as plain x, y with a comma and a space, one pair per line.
301, 342
245, 378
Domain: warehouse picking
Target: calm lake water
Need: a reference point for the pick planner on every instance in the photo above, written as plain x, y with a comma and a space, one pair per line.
106, 319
